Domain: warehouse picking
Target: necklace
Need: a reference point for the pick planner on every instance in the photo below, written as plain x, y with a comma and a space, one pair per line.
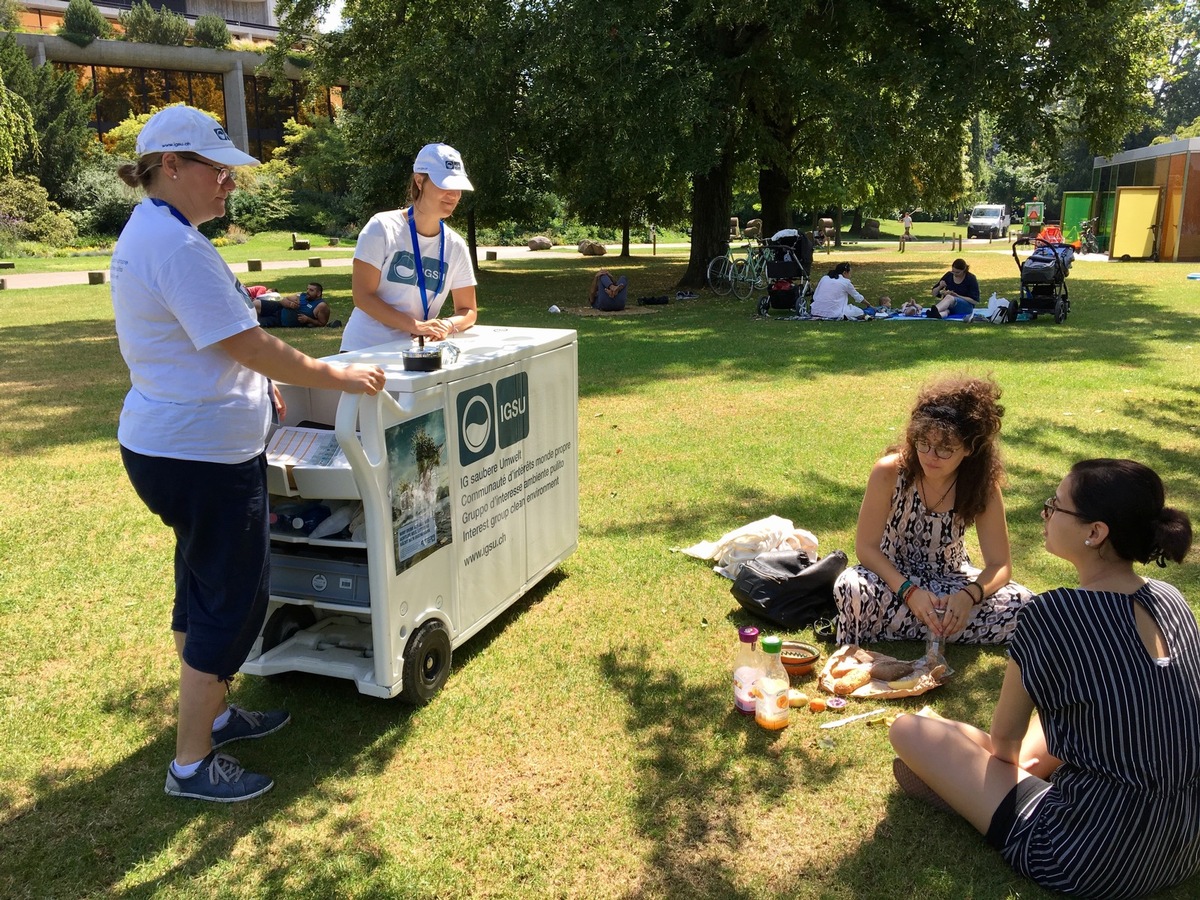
933, 506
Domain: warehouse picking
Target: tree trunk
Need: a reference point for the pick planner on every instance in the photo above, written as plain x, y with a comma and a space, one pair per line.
625, 237
837, 226
775, 194
712, 198
856, 224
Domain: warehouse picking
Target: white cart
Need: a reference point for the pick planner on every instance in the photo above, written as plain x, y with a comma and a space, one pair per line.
468, 479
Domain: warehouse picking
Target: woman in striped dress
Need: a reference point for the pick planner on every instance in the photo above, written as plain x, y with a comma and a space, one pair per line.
1089, 781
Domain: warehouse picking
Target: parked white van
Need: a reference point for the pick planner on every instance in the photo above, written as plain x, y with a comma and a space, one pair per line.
989, 220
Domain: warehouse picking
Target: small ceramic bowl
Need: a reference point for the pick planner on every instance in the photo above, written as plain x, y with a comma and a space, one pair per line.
799, 657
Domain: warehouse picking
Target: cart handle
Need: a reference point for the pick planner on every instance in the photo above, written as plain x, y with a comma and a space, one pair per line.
371, 422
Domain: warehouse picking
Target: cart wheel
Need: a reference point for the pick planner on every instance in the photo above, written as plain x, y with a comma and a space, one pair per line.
1060, 311
284, 623
764, 304
426, 663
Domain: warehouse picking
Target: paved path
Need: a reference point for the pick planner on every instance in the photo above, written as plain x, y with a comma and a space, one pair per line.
14, 279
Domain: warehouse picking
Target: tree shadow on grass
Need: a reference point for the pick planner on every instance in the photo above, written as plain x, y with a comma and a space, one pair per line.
91, 830
687, 798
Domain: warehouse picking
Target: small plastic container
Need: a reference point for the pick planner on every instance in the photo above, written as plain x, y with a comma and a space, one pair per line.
747, 670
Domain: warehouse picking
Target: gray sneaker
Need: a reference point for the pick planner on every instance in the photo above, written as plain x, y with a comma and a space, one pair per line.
220, 779
244, 725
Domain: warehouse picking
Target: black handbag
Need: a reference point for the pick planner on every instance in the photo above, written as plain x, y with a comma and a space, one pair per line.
783, 587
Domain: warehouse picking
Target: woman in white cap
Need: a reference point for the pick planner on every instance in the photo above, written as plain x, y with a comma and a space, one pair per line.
193, 431
407, 261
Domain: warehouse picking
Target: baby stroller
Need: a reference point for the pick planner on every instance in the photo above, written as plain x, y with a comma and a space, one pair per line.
1043, 279
789, 258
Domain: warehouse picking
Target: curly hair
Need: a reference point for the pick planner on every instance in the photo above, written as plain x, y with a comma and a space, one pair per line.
961, 410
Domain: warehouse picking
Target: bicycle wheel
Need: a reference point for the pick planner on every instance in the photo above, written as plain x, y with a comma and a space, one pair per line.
720, 275
744, 282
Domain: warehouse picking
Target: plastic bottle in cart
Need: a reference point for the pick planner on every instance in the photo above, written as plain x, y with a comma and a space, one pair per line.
747, 670
298, 518
772, 709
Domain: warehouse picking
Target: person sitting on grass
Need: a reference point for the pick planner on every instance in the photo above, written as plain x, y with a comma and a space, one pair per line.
957, 293
913, 574
831, 299
1089, 780
608, 293
307, 310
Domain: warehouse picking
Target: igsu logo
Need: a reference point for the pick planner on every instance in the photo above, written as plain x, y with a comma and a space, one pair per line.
491, 419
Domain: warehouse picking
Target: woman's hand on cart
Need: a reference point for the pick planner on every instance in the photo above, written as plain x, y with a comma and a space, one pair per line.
438, 329
360, 379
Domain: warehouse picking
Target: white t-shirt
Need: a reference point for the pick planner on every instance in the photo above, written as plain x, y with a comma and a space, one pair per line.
386, 244
174, 298
831, 299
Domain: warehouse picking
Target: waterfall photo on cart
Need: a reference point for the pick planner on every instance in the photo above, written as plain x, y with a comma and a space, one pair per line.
420, 487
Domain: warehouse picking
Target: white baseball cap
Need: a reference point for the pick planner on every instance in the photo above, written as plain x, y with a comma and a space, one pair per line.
444, 165
183, 129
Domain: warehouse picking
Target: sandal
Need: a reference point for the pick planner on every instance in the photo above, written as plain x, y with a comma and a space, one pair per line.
826, 629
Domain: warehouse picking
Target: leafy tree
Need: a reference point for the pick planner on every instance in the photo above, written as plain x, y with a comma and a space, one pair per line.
82, 23
320, 169
10, 15
17, 133
145, 25
853, 103
211, 31
98, 202
60, 115
31, 214
428, 71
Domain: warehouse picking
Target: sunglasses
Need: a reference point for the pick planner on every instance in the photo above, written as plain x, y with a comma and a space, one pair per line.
1050, 507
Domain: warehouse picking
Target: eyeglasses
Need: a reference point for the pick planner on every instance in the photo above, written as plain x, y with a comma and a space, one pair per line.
223, 173
1050, 507
939, 452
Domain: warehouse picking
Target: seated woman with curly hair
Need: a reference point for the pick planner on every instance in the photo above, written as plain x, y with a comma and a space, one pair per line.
913, 575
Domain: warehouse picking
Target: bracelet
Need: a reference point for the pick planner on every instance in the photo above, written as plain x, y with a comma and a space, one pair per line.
974, 584
912, 589
902, 591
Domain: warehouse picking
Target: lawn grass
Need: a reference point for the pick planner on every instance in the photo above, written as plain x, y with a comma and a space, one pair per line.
585, 745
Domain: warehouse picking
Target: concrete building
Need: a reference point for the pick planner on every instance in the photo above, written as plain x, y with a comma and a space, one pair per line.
132, 77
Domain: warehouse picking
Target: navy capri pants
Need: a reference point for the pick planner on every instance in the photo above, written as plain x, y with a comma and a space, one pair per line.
218, 512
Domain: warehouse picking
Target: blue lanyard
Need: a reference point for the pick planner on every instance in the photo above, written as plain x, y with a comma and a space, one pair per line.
412, 229
176, 213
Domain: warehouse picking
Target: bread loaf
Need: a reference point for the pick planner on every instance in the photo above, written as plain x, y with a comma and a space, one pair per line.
891, 670
851, 682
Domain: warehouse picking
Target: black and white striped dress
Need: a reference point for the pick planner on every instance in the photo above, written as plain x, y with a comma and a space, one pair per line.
1122, 818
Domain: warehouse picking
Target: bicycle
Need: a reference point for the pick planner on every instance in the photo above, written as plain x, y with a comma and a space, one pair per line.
1087, 237
737, 273
751, 276
721, 272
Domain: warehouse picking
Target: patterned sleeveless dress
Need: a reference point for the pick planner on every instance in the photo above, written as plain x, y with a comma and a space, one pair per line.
928, 548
